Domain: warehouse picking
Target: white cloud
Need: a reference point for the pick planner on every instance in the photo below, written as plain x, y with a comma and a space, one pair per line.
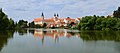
29, 9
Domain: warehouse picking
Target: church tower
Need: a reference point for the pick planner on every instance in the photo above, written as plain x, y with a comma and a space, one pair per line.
54, 15
42, 16
57, 15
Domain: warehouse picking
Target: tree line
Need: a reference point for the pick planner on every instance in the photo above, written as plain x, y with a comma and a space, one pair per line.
86, 23
100, 22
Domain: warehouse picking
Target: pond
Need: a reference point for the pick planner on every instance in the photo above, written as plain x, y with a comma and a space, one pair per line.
59, 41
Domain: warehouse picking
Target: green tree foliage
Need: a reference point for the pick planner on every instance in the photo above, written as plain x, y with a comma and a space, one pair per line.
117, 13
118, 24
5, 23
99, 23
32, 25
44, 25
22, 24
88, 22
11, 23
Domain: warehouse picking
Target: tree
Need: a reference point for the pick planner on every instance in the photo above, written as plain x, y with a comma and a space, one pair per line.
4, 21
111, 22
117, 26
11, 23
98, 23
22, 24
44, 25
88, 22
32, 25
117, 13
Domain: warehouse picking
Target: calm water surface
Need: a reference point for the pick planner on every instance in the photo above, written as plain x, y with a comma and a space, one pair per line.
59, 41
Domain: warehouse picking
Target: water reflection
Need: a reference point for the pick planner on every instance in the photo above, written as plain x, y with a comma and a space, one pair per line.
4, 37
85, 35
68, 41
22, 31
54, 34
100, 35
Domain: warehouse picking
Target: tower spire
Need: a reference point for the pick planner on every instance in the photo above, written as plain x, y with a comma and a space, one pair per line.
57, 15
54, 15
42, 16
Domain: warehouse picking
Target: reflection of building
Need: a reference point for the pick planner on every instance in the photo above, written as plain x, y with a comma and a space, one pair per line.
56, 21
54, 34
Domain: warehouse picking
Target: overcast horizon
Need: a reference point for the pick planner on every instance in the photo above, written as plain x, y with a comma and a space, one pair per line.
30, 9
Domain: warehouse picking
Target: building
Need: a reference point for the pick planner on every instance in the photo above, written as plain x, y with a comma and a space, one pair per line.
55, 21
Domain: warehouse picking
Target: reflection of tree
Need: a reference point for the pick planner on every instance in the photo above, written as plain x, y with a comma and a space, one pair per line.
31, 31
72, 33
22, 31
4, 36
101, 35
44, 32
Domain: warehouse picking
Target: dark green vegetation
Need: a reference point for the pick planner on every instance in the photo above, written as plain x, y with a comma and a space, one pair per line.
25, 24
100, 22
21, 24
117, 13
4, 37
100, 35
5, 23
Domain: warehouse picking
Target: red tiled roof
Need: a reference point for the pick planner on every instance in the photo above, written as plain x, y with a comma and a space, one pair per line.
78, 18
38, 19
48, 20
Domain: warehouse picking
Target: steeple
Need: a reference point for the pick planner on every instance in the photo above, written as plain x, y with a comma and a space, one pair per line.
57, 15
42, 16
54, 15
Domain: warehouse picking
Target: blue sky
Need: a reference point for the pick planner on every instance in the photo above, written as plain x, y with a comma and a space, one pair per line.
30, 9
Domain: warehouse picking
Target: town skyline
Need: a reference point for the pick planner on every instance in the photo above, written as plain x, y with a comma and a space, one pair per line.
30, 9
56, 21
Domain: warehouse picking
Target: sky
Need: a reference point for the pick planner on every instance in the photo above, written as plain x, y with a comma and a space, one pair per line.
30, 9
